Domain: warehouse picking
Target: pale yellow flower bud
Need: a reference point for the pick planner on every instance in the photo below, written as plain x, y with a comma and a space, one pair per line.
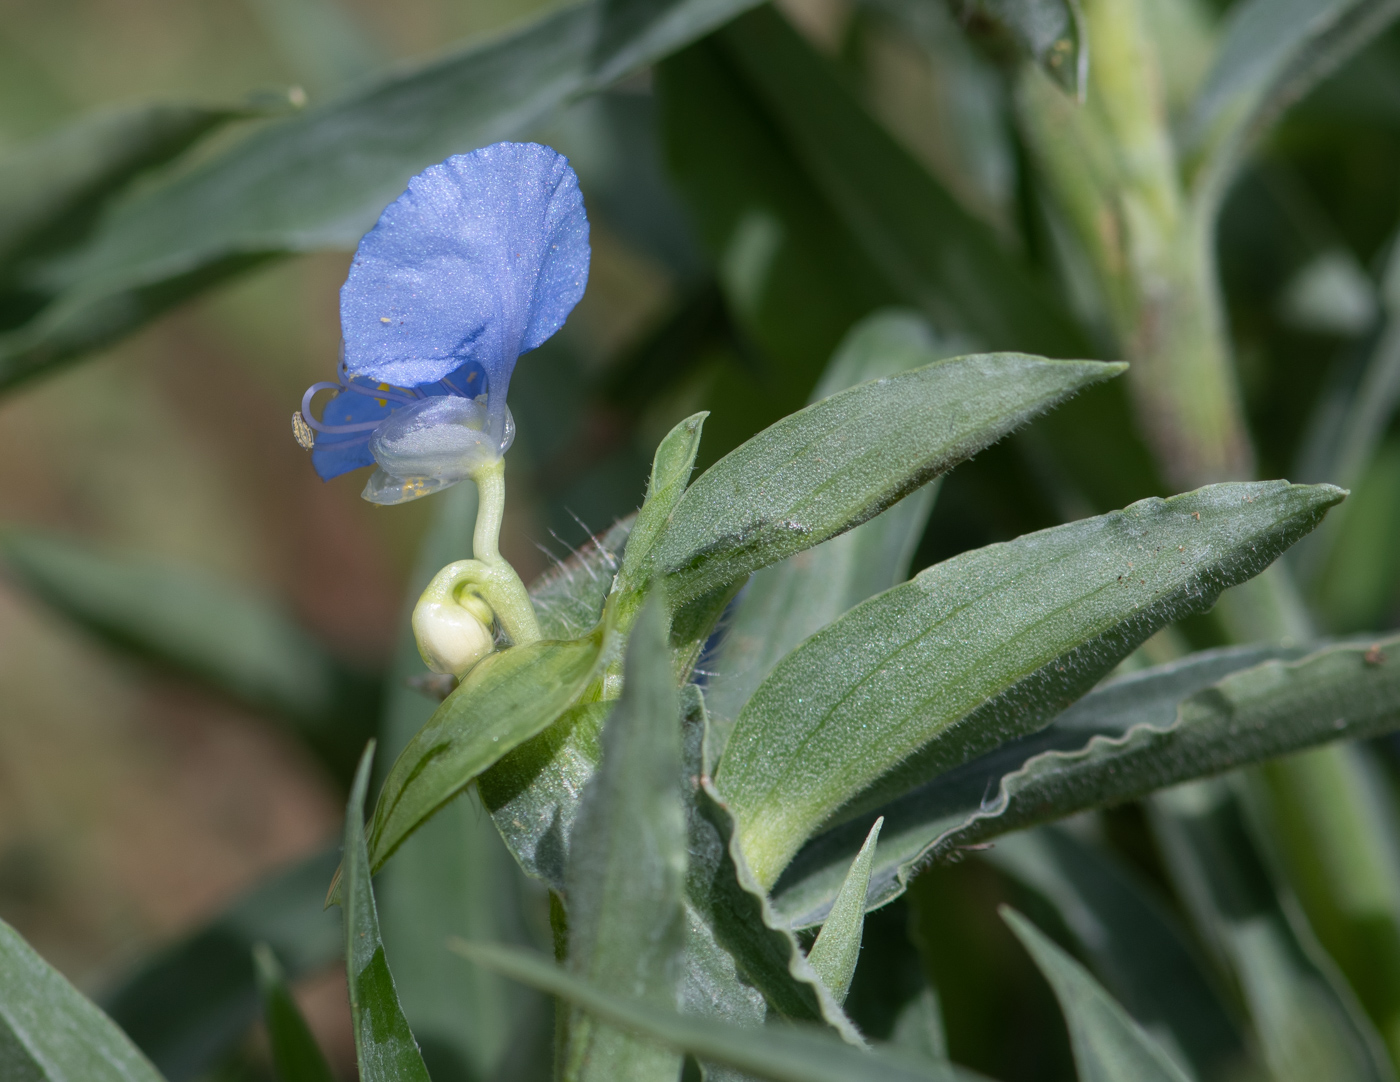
453, 631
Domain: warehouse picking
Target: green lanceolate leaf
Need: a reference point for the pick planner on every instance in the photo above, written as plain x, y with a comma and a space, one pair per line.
914, 823
627, 867
454, 876
190, 1003
1272, 53
670, 474
506, 699
713, 985
319, 179
50, 1032
843, 460
837, 948
983, 648
781, 1053
1108, 1045
52, 190
295, 1053
1256, 714
735, 910
789, 601
1331, 823
384, 1046
1307, 1021
939, 258
237, 643
533, 792
1132, 943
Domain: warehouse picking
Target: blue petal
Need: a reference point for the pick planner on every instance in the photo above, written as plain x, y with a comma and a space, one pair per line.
482, 258
340, 452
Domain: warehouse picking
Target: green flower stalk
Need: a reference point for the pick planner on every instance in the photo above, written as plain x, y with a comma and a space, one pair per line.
452, 620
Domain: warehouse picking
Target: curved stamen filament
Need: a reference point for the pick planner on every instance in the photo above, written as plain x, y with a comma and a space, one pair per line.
364, 426
350, 385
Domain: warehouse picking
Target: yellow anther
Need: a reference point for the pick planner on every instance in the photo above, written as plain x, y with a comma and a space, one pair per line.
384, 319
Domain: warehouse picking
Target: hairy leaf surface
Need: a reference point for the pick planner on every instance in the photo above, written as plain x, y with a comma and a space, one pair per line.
983, 648
915, 821
837, 947
843, 460
1259, 713
1095, 742
627, 867
785, 603
507, 698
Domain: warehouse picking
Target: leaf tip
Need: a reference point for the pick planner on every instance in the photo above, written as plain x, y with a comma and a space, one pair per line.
1322, 497
333, 891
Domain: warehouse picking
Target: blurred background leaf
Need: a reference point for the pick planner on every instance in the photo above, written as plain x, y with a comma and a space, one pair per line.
216, 632
187, 1005
294, 1050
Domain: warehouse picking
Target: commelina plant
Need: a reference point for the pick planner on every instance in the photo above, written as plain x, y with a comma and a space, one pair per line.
669, 837
684, 807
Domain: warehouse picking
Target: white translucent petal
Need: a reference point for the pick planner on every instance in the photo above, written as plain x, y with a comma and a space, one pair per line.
443, 437
384, 488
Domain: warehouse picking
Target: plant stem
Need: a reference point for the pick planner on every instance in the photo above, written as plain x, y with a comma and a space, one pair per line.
496, 580
1114, 174
491, 508
489, 575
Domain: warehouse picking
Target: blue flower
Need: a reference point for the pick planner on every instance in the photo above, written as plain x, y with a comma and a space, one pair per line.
479, 261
